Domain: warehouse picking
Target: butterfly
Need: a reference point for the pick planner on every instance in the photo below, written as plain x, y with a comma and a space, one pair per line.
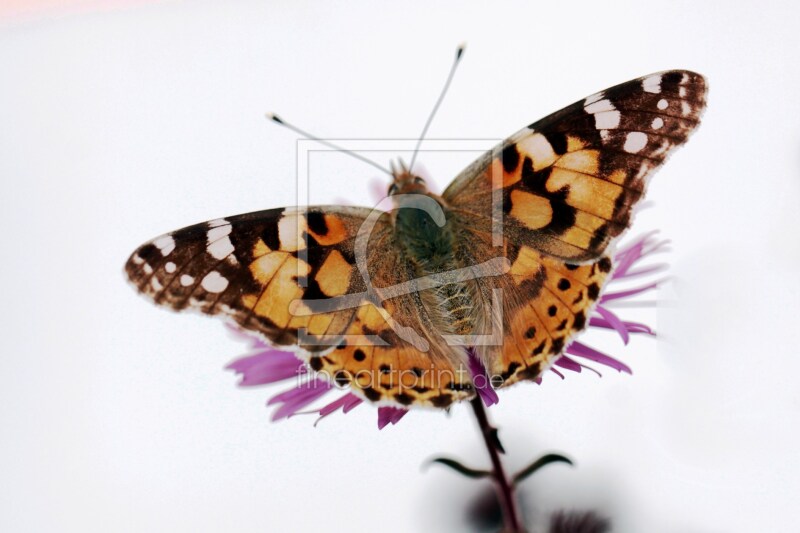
505, 265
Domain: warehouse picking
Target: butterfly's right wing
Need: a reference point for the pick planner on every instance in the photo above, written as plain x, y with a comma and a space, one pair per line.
301, 279
557, 194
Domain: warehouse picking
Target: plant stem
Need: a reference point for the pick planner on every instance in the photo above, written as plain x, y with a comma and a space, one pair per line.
505, 490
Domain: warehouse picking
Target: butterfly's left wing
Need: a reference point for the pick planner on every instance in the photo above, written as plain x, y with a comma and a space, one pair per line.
294, 276
558, 192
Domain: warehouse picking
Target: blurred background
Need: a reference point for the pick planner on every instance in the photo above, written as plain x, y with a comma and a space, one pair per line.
122, 120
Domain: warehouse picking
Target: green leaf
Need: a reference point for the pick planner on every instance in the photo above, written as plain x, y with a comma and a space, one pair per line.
461, 469
537, 464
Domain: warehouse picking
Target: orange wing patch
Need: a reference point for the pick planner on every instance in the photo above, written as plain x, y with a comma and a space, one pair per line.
393, 372
552, 304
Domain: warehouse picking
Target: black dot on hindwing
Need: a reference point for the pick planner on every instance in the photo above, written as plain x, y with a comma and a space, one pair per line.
372, 394
558, 345
342, 377
403, 398
580, 321
593, 291
442, 400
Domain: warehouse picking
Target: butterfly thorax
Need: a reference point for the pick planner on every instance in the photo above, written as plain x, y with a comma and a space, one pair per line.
428, 244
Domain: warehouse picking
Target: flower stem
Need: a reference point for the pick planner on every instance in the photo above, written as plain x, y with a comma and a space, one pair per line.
505, 490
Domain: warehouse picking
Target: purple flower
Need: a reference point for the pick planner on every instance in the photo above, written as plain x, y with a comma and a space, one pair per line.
268, 365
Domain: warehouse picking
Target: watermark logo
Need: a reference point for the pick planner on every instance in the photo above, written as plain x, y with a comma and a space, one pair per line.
376, 297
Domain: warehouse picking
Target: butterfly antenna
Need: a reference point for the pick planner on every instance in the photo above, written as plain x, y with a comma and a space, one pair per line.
275, 118
459, 53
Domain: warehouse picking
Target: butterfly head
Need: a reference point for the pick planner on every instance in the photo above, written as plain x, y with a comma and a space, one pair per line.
405, 182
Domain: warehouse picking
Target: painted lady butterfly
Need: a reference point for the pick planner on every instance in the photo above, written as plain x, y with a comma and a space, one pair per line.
508, 261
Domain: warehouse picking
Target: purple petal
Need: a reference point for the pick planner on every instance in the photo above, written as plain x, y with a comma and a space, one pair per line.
389, 415
295, 399
627, 294
632, 327
353, 402
615, 323
240, 334
626, 257
481, 380
346, 402
581, 350
569, 364
658, 267
268, 366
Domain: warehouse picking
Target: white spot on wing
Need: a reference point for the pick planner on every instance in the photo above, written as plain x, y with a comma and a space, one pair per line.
219, 244
137, 260
156, 284
607, 120
221, 248
599, 107
214, 282
217, 232
217, 222
187, 280
652, 84
148, 269
634, 142
165, 244
658, 123
170, 267
686, 109
592, 99
662, 104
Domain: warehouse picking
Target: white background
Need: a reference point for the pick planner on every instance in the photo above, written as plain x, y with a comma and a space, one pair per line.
118, 125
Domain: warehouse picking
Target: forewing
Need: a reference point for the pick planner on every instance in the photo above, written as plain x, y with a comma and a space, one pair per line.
250, 267
566, 185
